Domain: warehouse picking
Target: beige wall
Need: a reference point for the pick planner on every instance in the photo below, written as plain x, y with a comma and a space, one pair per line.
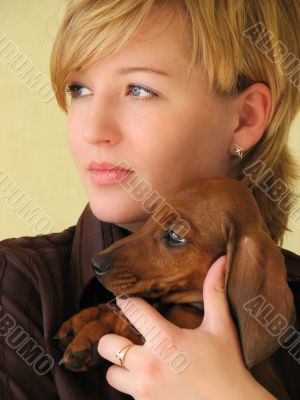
34, 156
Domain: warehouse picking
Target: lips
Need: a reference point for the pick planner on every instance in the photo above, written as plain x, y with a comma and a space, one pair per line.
107, 174
105, 166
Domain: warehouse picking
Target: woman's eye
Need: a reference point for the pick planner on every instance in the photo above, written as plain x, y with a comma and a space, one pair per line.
137, 90
76, 91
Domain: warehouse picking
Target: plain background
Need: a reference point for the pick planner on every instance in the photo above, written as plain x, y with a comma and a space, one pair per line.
33, 146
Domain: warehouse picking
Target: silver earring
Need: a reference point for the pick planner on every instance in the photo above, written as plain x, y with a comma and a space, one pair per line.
238, 151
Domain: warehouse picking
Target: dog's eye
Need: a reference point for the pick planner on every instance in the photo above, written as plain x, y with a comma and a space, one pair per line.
172, 239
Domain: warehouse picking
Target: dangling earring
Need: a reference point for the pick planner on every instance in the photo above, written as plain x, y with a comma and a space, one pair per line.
238, 151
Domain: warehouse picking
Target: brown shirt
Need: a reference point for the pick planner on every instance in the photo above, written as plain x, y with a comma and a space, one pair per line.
46, 279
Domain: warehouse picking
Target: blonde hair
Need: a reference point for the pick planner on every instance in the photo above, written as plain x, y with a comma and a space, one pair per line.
222, 38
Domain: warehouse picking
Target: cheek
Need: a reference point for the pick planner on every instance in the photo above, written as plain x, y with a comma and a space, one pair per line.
183, 143
73, 138
205, 136
186, 151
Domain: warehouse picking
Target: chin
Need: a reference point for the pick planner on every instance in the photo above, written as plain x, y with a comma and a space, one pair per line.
117, 211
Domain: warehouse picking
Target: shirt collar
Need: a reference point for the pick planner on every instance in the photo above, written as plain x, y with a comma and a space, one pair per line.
91, 236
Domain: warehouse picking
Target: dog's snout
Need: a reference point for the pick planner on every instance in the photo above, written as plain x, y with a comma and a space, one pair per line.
101, 264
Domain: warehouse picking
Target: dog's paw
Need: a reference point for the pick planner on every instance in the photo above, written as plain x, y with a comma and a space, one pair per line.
81, 354
70, 328
78, 337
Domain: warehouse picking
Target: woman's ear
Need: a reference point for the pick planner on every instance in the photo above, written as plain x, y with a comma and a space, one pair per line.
253, 109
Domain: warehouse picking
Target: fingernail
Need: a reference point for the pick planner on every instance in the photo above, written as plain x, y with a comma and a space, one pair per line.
120, 301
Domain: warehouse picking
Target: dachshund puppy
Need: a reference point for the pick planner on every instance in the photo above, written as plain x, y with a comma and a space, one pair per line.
166, 260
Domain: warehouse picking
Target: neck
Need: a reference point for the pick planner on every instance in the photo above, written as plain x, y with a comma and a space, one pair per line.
132, 227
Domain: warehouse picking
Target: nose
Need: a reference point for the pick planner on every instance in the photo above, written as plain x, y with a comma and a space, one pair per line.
100, 124
101, 264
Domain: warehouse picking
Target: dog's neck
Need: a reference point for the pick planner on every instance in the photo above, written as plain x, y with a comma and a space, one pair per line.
188, 296
197, 304
192, 298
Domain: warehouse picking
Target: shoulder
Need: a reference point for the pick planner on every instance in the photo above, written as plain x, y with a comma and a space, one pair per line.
292, 262
33, 269
29, 251
33, 244
32, 274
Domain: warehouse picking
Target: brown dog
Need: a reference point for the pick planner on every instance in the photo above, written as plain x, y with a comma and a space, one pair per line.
162, 262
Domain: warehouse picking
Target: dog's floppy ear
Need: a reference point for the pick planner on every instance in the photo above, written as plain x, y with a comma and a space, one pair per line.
260, 299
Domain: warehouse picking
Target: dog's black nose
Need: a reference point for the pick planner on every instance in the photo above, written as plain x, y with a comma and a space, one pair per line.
101, 264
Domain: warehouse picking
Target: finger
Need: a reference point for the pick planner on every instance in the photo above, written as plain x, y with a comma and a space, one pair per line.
110, 344
217, 317
146, 319
119, 378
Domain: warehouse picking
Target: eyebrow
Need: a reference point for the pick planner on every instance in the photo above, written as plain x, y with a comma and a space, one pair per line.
146, 69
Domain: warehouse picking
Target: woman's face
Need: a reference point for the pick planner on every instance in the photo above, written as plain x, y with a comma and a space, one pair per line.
169, 130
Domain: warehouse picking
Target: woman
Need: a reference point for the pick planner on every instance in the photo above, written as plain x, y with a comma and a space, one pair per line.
180, 90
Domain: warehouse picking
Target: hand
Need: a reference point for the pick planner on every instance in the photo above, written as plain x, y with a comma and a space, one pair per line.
202, 363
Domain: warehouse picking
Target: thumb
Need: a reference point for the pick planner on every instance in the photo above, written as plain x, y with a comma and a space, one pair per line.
145, 318
217, 316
